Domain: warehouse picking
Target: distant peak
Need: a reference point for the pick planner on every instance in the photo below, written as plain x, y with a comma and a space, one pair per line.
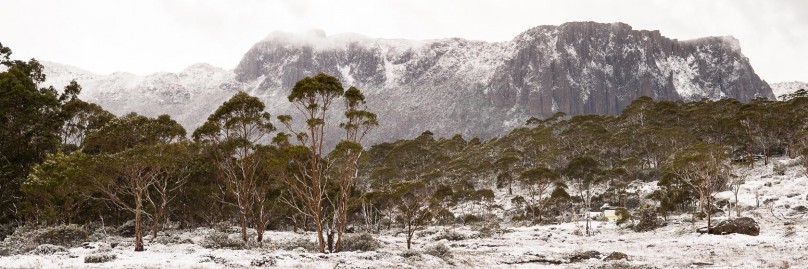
316, 33
201, 67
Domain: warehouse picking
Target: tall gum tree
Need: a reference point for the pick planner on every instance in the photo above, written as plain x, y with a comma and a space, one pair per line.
313, 97
235, 132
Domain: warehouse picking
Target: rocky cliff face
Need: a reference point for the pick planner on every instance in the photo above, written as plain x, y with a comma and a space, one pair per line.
453, 86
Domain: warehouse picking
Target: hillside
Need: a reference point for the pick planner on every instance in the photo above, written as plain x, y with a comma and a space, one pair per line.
445, 85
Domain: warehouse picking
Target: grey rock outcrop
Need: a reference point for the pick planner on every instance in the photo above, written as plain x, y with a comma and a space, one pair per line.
484, 89
450, 86
747, 226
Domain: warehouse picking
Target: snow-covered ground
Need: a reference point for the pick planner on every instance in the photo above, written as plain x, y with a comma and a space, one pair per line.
781, 244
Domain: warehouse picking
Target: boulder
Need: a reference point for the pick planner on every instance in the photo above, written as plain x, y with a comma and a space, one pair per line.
615, 256
582, 256
747, 226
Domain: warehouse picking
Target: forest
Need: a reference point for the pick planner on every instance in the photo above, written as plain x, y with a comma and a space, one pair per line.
69, 162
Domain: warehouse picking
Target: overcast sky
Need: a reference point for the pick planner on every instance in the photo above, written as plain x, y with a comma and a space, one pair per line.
146, 36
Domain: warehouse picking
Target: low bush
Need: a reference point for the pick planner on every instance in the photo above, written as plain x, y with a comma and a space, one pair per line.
487, 229
302, 243
789, 231
263, 262
220, 240
779, 168
647, 218
127, 229
99, 258
439, 250
362, 242
48, 249
172, 239
6, 229
623, 215
63, 235
409, 253
449, 235
470, 219
27, 238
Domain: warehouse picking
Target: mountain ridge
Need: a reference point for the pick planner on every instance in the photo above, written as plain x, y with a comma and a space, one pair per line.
455, 85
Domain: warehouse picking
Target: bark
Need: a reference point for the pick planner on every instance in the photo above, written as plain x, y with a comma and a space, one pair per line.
244, 226
330, 239
138, 226
157, 218
409, 235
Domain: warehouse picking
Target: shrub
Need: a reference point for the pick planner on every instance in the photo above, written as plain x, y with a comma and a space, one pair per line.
220, 240
214, 259
263, 262
26, 238
488, 228
471, 218
443, 216
439, 250
302, 242
518, 200
450, 235
6, 229
172, 239
63, 235
789, 231
48, 249
101, 233
622, 215
127, 229
647, 217
409, 253
20, 241
99, 258
779, 168
362, 242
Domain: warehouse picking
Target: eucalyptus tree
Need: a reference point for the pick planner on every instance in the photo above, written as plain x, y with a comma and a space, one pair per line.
359, 121
235, 132
584, 171
29, 116
704, 168
410, 206
313, 97
81, 118
538, 182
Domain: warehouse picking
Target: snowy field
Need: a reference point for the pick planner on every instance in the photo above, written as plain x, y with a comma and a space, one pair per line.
782, 243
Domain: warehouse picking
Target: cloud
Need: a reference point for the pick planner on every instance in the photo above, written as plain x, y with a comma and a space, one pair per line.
145, 36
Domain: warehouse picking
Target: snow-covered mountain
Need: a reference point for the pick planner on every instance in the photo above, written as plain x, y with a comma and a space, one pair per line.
452, 85
782, 88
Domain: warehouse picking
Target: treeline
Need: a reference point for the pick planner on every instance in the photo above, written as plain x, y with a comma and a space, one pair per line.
66, 161
565, 166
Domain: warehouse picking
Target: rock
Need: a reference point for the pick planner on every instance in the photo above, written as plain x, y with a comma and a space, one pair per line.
263, 262
581, 256
615, 256
747, 226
